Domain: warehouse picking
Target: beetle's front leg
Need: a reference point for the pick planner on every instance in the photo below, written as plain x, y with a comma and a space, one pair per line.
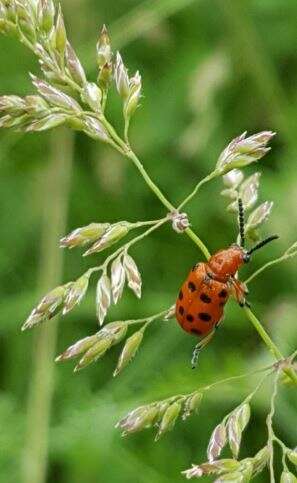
239, 290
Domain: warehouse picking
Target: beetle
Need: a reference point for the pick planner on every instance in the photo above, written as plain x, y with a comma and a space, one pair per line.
200, 304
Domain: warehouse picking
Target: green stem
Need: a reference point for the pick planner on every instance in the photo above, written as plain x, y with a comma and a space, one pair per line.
131, 155
235, 378
253, 393
207, 178
250, 396
148, 319
263, 334
104, 99
270, 264
269, 422
128, 153
126, 246
139, 237
284, 448
140, 224
126, 131
191, 234
269, 342
55, 196
123, 148
231, 379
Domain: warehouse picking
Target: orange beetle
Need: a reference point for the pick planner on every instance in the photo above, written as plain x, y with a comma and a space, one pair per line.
201, 299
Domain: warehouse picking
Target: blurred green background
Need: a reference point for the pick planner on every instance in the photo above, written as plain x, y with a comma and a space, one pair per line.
211, 70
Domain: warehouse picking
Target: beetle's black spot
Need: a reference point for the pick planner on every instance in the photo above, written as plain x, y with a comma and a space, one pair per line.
190, 318
180, 295
204, 316
181, 310
205, 298
192, 286
223, 293
196, 331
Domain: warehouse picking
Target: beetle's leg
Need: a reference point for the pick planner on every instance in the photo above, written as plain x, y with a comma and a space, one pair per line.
201, 344
239, 290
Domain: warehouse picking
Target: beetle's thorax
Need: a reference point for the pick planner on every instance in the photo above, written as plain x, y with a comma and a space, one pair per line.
225, 263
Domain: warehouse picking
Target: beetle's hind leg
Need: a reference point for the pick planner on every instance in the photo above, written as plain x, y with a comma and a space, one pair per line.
201, 344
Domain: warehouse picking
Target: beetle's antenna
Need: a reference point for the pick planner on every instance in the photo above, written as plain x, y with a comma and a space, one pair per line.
241, 222
262, 243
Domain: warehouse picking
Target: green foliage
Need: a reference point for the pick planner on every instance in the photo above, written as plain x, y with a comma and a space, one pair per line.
184, 122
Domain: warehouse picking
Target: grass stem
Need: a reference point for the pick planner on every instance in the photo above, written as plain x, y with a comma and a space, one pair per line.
55, 189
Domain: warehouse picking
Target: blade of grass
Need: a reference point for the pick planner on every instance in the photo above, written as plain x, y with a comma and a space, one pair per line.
143, 18
55, 188
246, 40
135, 23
